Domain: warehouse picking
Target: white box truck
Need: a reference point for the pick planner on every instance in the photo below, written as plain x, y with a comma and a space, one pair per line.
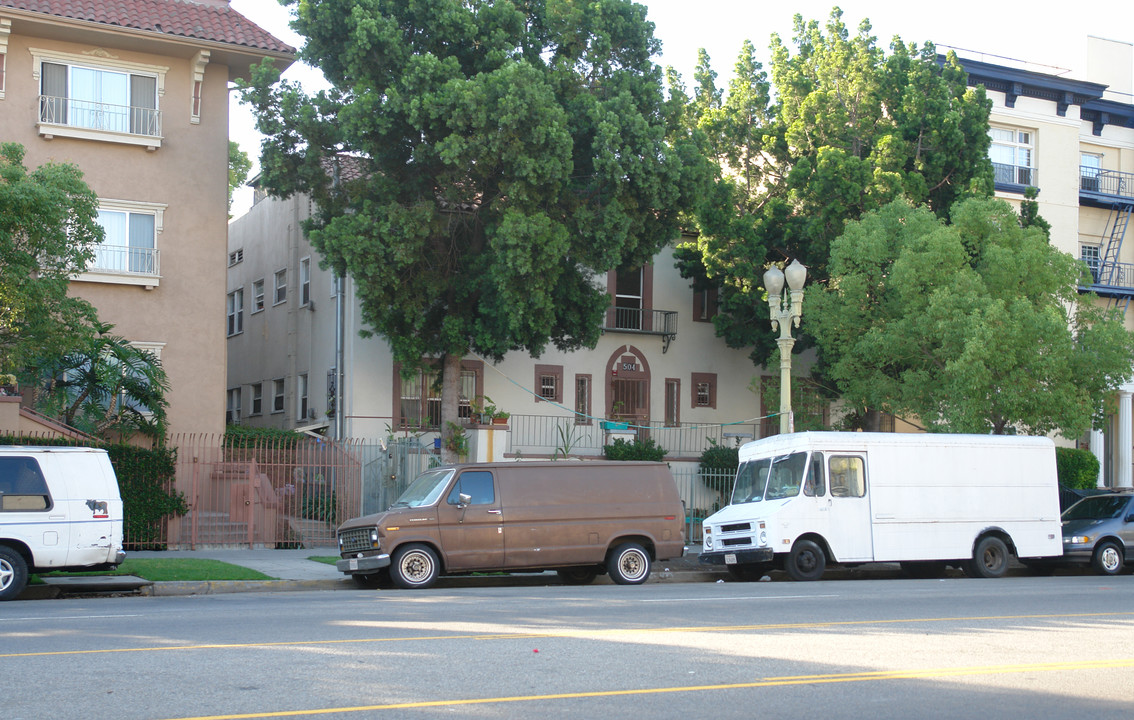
59, 510
928, 501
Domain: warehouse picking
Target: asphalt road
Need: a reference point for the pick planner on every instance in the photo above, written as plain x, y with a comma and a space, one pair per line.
1059, 647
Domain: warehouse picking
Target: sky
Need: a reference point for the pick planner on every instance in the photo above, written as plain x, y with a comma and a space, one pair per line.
1050, 41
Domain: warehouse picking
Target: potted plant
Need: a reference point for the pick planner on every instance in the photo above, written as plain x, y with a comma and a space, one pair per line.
494, 414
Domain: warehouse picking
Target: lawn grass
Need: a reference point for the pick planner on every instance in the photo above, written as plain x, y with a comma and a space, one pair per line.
175, 569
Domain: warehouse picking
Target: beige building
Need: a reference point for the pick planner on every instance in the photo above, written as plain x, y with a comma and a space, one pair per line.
1074, 140
658, 363
135, 93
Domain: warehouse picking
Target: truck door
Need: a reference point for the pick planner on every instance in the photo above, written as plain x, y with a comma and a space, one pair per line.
33, 511
472, 533
849, 532
90, 508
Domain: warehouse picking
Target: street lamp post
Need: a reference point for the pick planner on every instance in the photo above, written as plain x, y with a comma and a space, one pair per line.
785, 311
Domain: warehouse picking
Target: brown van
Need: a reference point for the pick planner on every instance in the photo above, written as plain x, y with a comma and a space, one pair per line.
578, 518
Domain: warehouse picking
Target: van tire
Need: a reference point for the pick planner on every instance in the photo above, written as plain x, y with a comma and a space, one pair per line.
577, 575
990, 559
13, 573
414, 566
628, 564
1107, 559
806, 561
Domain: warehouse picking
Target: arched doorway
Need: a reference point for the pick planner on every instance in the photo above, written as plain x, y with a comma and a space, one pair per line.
628, 387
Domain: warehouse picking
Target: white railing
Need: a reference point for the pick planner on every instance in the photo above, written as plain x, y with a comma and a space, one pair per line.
125, 260
99, 116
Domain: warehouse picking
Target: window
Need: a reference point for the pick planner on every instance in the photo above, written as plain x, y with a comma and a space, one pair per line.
549, 383
281, 287
418, 395
257, 399
257, 295
236, 257
628, 299
672, 402
278, 396
582, 399
704, 393
301, 410
82, 97
1089, 166
128, 249
816, 485
5, 31
477, 484
236, 312
847, 476
1011, 153
232, 408
22, 485
704, 304
1090, 254
305, 282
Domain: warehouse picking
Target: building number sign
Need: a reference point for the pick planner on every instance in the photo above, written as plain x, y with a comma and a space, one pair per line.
629, 367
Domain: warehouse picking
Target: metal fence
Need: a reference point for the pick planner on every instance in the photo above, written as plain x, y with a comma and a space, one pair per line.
547, 435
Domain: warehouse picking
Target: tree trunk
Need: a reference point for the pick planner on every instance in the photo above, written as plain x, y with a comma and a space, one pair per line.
450, 404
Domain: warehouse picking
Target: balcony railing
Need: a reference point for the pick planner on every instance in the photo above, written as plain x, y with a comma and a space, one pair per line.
1106, 182
124, 260
1014, 175
99, 116
645, 322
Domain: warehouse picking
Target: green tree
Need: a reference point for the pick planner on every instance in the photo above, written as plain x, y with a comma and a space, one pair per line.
849, 130
476, 164
972, 326
108, 388
48, 231
238, 168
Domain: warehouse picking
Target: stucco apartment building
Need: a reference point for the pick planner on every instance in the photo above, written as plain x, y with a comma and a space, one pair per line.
135, 93
1072, 137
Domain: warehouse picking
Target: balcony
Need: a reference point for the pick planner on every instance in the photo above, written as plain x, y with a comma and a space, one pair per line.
92, 120
1014, 178
118, 264
642, 322
1105, 187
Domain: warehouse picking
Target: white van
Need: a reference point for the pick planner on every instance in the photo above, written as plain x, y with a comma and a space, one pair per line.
59, 510
927, 501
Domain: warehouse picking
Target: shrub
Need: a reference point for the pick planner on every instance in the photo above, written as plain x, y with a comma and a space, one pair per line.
637, 450
1077, 469
720, 458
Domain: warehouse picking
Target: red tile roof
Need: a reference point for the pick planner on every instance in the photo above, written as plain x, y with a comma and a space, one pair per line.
183, 18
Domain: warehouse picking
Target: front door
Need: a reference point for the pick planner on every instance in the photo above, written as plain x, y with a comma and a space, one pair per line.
472, 533
629, 391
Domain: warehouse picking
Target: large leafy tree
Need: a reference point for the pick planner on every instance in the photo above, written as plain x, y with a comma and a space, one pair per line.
48, 231
476, 163
840, 129
973, 325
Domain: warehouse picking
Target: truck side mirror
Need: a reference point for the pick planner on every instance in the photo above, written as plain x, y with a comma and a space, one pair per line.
1130, 517
464, 500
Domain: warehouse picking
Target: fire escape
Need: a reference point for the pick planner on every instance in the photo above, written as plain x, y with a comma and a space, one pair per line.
1114, 191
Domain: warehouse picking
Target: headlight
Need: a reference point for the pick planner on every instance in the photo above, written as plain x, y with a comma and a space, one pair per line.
763, 537
374, 538
1077, 539
708, 540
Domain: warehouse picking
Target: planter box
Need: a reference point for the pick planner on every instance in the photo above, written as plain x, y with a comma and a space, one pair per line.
615, 425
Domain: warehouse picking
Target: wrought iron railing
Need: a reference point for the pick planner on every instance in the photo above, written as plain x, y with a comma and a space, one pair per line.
126, 260
99, 116
540, 435
1014, 175
636, 320
1106, 182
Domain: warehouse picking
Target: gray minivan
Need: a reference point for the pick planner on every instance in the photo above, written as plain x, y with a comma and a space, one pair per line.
1099, 530
577, 518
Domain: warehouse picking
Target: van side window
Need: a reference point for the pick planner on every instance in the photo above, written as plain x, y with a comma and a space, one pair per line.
477, 484
22, 486
848, 476
816, 485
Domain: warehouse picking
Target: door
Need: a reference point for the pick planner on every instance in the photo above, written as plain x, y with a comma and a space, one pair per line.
629, 390
472, 533
849, 533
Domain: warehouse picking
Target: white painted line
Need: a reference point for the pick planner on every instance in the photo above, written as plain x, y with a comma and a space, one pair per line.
68, 617
749, 597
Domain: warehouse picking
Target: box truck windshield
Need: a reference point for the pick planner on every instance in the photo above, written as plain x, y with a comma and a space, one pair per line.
772, 478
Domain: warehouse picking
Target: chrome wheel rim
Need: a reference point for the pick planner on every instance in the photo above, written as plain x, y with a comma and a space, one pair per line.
416, 567
7, 574
1110, 559
632, 564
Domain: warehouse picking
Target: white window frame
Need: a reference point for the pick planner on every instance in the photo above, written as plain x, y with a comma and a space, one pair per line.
232, 406
235, 312
236, 257
305, 282
280, 286
99, 60
279, 390
148, 265
1022, 148
301, 407
5, 31
257, 407
257, 296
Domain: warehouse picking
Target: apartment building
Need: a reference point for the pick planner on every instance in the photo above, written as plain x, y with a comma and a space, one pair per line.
135, 93
1073, 139
292, 325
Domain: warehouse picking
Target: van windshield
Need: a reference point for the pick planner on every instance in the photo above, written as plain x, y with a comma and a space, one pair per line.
770, 478
426, 489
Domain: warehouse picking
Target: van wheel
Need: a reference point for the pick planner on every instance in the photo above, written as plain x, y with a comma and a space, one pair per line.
13, 573
1107, 559
629, 564
806, 561
414, 566
577, 575
990, 559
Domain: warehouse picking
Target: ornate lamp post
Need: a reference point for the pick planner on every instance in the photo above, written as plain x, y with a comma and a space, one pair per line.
784, 312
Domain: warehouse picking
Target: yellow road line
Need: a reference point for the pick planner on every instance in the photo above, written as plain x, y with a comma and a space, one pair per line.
767, 682
577, 633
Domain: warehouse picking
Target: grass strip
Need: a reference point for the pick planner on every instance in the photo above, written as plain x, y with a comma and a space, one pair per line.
176, 569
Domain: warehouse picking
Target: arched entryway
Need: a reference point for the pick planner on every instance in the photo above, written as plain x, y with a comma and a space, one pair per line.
628, 386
